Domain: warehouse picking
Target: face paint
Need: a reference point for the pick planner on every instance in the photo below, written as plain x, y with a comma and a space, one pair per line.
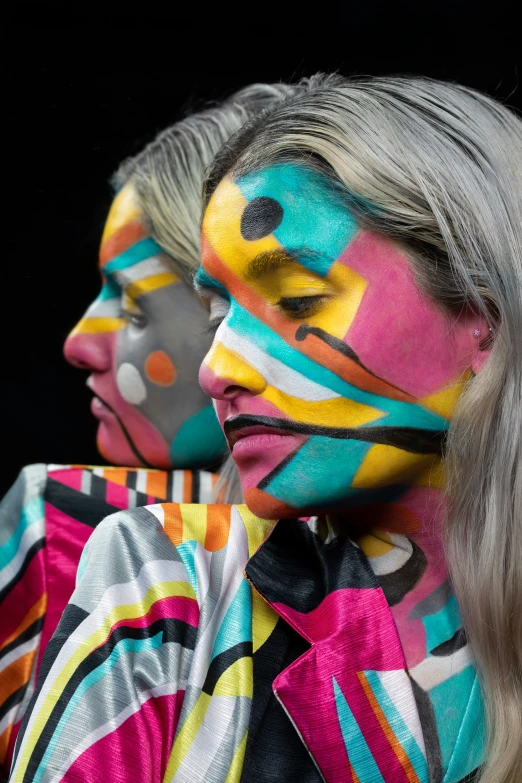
143, 339
334, 375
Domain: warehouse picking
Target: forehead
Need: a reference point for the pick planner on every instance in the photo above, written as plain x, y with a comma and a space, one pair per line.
124, 226
286, 206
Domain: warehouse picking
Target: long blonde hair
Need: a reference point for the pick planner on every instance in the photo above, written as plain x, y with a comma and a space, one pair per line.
441, 167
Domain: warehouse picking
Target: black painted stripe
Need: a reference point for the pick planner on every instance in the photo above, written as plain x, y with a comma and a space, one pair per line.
224, 661
412, 439
457, 642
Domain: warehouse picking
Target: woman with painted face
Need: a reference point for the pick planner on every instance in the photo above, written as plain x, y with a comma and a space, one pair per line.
142, 341
361, 255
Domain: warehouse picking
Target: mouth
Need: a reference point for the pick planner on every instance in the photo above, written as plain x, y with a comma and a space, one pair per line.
264, 430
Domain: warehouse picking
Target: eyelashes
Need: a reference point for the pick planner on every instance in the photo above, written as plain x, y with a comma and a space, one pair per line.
213, 325
300, 306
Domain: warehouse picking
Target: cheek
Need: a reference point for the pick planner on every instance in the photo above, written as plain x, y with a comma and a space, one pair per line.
130, 384
160, 369
397, 332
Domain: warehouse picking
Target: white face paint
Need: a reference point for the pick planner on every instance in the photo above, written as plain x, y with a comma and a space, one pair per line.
130, 384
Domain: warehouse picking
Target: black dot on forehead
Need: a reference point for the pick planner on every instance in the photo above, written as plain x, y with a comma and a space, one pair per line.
260, 217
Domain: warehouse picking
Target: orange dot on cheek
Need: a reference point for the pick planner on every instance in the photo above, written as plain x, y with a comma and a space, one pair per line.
160, 368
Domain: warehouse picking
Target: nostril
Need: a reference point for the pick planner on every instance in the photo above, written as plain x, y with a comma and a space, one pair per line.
232, 391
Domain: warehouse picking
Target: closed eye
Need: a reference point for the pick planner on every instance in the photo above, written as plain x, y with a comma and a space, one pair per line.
300, 306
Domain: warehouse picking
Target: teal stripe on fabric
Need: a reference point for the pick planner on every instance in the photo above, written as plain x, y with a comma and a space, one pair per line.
459, 714
443, 625
143, 249
314, 215
125, 646
397, 413
187, 553
31, 513
237, 623
399, 727
359, 753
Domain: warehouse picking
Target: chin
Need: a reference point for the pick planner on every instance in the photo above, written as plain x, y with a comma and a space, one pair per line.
267, 507
116, 450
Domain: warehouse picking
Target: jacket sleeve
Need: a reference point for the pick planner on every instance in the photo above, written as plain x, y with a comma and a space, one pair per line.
23, 598
114, 675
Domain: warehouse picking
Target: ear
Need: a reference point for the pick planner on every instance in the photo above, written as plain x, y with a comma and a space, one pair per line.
473, 336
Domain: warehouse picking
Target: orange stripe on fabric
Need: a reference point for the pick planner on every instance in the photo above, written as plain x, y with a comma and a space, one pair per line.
173, 522
218, 527
116, 475
313, 347
355, 779
187, 486
16, 674
388, 731
157, 484
36, 611
4, 744
121, 240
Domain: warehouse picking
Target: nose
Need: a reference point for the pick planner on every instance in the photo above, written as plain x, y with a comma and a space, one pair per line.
224, 374
86, 349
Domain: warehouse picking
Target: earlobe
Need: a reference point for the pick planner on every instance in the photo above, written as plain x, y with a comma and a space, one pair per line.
482, 353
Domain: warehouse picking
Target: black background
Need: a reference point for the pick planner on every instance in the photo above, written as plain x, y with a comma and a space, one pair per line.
79, 97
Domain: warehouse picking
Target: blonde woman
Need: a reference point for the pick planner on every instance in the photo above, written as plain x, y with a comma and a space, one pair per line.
361, 254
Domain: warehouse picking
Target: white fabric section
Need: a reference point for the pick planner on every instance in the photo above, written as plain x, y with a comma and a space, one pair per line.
177, 486
211, 735
18, 652
273, 371
34, 533
53, 466
141, 481
155, 265
235, 558
131, 498
394, 559
166, 689
152, 574
86, 482
98, 472
157, 510
130, 384
205, 487
398, 687
437, 669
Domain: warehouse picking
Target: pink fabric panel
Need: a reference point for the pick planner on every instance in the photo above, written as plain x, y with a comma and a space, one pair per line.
130, 753
117, 495
23, 596
71, 477
66, 538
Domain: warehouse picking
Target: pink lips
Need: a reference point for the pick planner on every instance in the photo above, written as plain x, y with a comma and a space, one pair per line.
252, 440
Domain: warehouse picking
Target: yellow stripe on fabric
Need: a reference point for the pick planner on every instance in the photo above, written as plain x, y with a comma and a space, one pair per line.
194, 518
373, 545
237, 680
222, 228
152, 283
264, 620
257, 529
186, 735
325, 413
99, 325
125, 612
236, 766
394, 743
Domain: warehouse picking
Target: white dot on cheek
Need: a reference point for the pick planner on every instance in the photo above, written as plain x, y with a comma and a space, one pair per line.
130, 384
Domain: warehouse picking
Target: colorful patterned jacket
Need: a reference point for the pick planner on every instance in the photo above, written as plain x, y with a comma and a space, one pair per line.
332, 660
45, 520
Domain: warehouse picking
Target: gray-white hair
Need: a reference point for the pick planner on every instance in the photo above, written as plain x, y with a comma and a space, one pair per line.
168, 173
441, 167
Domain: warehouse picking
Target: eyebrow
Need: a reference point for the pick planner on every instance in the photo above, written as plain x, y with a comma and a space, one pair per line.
271, 260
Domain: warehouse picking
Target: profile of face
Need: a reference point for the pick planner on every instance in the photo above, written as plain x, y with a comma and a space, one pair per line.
143, 340
334, 375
